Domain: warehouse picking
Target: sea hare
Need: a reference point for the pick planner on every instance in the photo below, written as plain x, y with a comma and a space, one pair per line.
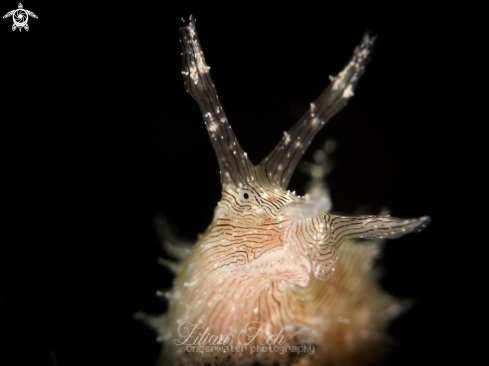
276, 279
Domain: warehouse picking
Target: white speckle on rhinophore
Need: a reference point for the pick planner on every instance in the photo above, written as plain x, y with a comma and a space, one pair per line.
340, 79
348, 92
213, 127
287, 137
193, 73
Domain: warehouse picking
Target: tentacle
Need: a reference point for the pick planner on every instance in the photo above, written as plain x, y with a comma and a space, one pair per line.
318, 170
320, 237
281, 162
372, 227
336, 229
172, 266
175, 247
235, 167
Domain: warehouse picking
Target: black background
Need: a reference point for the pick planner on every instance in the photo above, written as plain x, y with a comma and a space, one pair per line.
98, 135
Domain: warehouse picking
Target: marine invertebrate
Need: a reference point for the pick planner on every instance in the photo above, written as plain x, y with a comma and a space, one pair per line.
275, 278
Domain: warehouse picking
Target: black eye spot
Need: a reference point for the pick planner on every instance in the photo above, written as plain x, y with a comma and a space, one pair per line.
246, 196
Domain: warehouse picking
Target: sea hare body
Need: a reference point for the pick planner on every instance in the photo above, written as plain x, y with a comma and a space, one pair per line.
276, 279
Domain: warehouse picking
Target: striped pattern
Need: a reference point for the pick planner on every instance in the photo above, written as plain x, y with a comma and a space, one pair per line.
267, 253
281, 162
234, 164
319, 238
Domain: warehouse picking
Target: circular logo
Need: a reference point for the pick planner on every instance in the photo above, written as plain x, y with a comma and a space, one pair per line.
20, 17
